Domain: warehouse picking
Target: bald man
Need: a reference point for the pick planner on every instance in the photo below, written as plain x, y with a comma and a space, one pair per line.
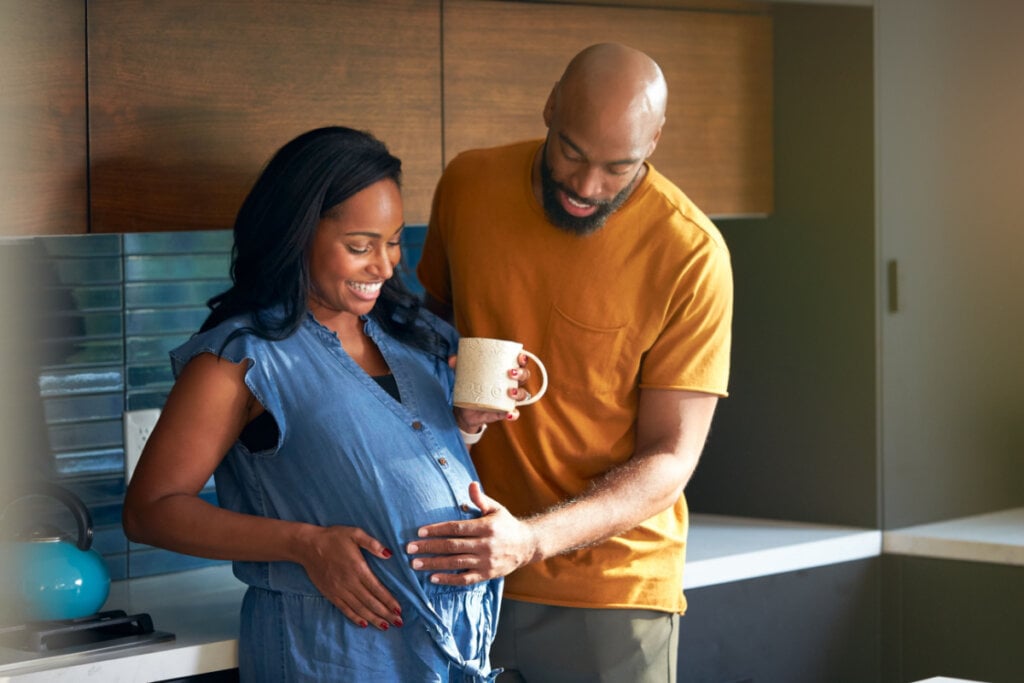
577, 247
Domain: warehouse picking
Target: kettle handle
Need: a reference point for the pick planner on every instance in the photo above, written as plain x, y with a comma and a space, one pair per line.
81, 513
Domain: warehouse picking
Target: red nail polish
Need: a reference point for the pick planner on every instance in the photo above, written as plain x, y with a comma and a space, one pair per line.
363, 624
509, 416
383, 626
397, 611
386, 553
397, 623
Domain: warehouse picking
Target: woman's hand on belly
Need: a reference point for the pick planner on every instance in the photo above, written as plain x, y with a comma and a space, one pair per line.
333, 560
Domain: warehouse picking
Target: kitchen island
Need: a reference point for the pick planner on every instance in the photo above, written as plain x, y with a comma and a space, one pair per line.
200, 607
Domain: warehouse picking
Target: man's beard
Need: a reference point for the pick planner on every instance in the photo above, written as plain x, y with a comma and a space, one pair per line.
559, 217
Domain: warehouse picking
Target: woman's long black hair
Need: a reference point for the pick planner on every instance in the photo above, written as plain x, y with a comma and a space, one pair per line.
276, 224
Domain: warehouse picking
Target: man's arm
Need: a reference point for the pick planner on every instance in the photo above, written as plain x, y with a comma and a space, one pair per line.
672, 427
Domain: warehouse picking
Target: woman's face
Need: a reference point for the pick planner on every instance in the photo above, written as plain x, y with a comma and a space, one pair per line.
355, 249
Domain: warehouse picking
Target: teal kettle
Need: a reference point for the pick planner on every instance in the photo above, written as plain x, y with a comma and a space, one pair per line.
48, 576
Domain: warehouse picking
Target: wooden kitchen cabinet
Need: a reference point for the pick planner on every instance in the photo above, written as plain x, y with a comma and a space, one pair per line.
188, 100
42, 118
502, 58
179, 105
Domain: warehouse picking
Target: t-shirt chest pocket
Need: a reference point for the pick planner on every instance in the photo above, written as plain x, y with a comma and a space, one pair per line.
584, 358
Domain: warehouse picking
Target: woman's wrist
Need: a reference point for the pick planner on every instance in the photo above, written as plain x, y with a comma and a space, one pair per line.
471, 438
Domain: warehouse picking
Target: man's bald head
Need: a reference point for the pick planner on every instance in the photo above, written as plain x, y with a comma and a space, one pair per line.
615, 86
604, 119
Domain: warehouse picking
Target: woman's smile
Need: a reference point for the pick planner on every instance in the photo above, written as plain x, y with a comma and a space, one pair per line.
368, 291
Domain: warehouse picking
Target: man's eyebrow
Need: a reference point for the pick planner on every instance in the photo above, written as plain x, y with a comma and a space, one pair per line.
564, 138
621, 162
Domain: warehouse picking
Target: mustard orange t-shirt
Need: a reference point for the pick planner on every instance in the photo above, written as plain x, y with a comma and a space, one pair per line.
645, 301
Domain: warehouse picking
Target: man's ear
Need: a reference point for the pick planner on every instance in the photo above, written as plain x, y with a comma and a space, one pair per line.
549, 106
654, 140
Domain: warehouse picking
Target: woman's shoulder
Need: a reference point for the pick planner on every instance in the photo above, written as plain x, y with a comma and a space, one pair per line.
434, 322
440, 327
233, 339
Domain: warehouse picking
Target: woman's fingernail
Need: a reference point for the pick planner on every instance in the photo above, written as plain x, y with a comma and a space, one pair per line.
398, 611
514, 372
386, 553
363, 624
383, 626
510, 416
397, 622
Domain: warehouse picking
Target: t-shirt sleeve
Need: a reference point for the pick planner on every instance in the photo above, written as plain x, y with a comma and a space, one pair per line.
692, 351
244, 347
432, 269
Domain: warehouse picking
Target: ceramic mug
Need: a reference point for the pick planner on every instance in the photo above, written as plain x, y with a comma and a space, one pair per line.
481, 374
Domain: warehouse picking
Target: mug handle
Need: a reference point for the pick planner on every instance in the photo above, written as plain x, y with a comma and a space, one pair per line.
543, 383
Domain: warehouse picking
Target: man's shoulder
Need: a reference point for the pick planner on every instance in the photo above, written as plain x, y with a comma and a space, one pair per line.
500, 155
683, 212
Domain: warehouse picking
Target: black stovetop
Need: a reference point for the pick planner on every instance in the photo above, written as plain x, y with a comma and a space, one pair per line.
102, 631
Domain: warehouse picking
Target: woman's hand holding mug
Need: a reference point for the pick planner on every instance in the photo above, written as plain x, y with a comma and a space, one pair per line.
490, 382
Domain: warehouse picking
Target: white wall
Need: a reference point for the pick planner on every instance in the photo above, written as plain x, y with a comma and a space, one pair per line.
950, 201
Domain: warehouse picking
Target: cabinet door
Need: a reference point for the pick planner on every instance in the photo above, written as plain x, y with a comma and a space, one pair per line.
42, 117
950, 104
804, 626
501, 60
188, 99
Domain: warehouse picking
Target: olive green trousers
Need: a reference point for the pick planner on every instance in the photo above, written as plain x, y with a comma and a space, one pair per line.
548, 644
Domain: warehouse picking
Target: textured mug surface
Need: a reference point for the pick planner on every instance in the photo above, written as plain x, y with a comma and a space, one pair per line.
481, 374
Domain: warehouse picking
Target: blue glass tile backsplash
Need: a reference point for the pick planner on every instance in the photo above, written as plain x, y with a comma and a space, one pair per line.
109, 309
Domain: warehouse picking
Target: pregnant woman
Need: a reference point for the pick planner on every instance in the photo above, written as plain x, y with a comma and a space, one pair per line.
318, 394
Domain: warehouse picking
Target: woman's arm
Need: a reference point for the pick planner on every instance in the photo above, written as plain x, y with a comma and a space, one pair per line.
205, 412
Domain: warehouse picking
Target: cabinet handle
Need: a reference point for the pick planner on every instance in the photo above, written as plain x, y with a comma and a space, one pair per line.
892, 278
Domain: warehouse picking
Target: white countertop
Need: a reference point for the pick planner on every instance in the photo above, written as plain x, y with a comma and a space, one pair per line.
722, 549
997, 537
201, 606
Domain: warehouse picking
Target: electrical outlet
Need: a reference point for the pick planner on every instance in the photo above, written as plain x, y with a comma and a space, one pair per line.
137, 426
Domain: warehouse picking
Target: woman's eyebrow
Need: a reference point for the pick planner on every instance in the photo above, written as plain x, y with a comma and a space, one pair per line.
367, 233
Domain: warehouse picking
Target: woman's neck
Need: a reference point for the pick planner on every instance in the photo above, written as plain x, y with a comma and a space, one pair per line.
357, 345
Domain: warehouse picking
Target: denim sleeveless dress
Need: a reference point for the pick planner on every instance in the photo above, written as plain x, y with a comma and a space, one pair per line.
348, 453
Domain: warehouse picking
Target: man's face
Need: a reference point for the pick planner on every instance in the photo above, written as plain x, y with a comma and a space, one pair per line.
578, 193
568, 210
